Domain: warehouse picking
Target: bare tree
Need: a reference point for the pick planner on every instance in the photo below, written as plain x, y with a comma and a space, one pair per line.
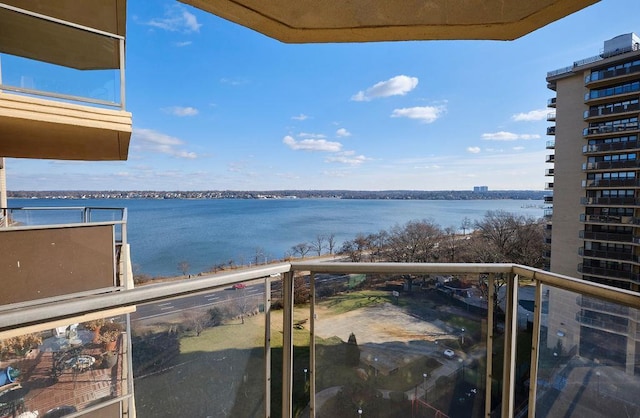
415, 242
318, 245
301, 249
197, 321
465, 225
184, 267
355, 248
259, 256
331, 243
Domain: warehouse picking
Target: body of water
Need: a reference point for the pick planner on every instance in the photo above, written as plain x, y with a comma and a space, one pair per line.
163, 233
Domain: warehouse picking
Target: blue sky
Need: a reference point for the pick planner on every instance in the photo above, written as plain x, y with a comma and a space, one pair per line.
217, 106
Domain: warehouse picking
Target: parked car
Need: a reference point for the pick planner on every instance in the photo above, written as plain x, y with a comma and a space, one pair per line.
448, 353
239, 286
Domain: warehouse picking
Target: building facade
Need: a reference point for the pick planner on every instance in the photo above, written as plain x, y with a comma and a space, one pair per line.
594, 213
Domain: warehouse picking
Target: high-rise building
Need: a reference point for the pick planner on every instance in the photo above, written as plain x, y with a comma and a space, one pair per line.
594, 220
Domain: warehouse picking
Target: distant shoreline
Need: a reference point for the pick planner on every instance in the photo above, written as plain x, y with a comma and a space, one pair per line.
286, 194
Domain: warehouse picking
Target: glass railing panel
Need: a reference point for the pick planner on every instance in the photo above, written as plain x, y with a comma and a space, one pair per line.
41, 79
403, 345
202, 355
69, 367
589, 357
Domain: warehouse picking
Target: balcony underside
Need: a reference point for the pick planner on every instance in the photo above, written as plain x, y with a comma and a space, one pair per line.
297, 21
46, 129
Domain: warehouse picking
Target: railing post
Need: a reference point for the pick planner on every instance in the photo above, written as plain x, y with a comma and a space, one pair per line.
535, 353
491, 297
312, 347
287, 345
510, 337
267, 347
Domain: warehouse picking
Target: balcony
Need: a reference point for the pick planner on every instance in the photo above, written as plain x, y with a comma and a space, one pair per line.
551, 144
618, 201
604, 165
608, 129
608, 236
71, 267
42, 114
606, 76
283, 362
549, 172
613, 146
552, 102
550, 158
602, 324
548, 199
551, 117
548, 213
609, 273
611, 254
628, 182
551, 130
612, 110
608, 219
598, 305
548, 186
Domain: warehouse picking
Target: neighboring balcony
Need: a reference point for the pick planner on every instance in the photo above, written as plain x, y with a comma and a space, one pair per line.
605, 307
612, 255
551, 117
613, 146
549, 172
548, 186
603, 165
608, 129
551, 130
609, 273
551, 144
628, 182
48, 261
618, 201
613, 110
424, 348
552, 102
608, 219
550, 158
608, 236
548, 199
62, 90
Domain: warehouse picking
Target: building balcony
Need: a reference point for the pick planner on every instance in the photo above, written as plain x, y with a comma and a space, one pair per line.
62, 90
551, 130
613, 146
549, 172
605, 165
617, 75
610, 111
552, 102
548, 199
71, 267
606, 272
548, 186
548, 212
602, 324
600, 183
601, 306
551, 117
550, 158
551, 144
279, 362
616, 201
608, 219
612, 255
608, 236
609, 129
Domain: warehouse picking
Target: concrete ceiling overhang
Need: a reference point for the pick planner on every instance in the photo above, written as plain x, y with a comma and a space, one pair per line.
45, 40
316, 21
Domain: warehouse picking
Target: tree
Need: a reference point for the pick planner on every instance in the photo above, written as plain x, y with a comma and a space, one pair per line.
301, 249
331, 243
184, 267
197, 321
466, 224
318, 245
415, 242
260, 256
355, 248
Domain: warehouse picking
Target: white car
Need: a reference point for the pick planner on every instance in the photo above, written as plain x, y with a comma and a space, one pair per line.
448, 353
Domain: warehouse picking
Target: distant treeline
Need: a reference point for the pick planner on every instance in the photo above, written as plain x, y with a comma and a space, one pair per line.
285, 194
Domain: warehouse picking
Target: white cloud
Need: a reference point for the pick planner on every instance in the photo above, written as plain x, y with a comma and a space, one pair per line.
473, 150
507, 136
176, 19
517, 148
533, 115
347, 157
312, 136
182, 111
234, 81
426, 114
301, 117
181, 44
150, 140
396, 86
312, 144
342, 132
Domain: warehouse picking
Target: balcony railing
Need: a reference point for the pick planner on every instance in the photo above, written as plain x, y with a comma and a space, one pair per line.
607, 236
613, 255
613, 146
592, 113
550, 158
228, 369
598, 305
551, 130
603, 165
622, 201
608, 272
549, 172
607, 219
602, 324
627, 182
551, 144
552, 102
551, 116
607, 129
